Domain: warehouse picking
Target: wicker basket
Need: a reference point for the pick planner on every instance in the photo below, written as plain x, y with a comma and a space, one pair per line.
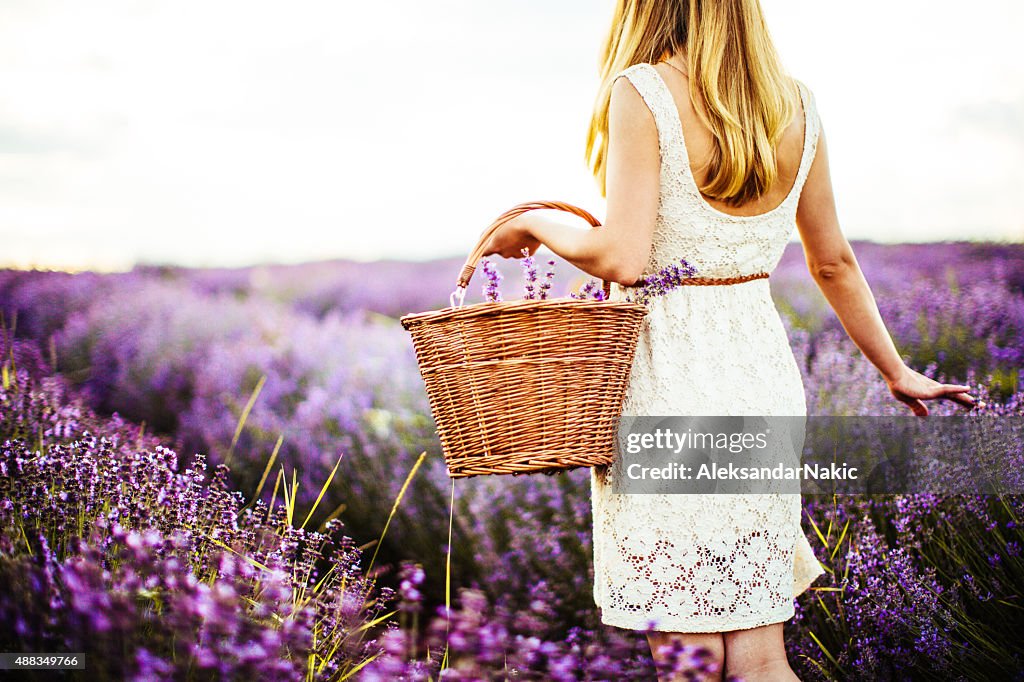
525, 386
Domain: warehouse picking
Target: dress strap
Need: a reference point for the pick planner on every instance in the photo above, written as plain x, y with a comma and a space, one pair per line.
658, 98
674, 160
812, 128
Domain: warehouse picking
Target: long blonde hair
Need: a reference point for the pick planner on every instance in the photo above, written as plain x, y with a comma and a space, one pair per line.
737, 83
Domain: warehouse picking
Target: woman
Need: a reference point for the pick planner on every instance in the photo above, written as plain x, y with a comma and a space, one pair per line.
707, 150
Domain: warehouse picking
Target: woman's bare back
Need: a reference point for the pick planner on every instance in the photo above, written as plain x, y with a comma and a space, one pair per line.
700, 142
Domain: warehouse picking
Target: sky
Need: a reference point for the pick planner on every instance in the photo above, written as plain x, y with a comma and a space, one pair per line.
230, 133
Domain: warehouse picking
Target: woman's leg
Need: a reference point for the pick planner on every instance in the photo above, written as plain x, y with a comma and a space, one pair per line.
758, 655
712, 642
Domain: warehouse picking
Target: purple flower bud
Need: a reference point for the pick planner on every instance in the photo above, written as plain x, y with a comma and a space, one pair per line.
491, 280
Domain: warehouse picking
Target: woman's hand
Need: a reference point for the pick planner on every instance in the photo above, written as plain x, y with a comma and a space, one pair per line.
912, 387
509, 240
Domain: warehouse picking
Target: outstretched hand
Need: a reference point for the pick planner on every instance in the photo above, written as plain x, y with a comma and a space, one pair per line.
912, 388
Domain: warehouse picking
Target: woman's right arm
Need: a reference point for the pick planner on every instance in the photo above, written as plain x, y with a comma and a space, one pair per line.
834, 268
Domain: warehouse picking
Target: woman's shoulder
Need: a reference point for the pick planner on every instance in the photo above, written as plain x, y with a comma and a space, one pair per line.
810, 106
642, 77
806, 93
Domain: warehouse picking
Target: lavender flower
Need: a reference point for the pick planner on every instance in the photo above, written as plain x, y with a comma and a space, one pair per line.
662, 282
491, 280
694, 663
156, 570
529, 276
410, 581
549, 276
591, 289
911, 592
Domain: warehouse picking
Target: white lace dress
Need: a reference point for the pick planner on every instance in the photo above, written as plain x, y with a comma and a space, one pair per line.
706, 562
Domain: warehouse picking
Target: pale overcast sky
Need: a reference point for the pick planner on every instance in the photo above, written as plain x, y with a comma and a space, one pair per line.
225, 132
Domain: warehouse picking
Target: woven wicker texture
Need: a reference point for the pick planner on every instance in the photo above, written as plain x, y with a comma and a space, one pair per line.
526, 386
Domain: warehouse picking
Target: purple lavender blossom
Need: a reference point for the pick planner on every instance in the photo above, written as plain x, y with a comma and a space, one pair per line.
410, 582
529, 266
549, 276
155, 570
492, 278
183, 350
591, 289
660, 283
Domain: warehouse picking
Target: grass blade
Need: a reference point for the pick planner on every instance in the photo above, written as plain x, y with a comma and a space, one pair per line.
839, 542
322, 491
273, 496
394, 508
359, 667
448, 579
245, 415
825, 651
333, 515
817, 531
266, 472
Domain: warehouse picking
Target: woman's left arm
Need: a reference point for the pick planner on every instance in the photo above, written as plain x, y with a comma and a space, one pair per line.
618, 250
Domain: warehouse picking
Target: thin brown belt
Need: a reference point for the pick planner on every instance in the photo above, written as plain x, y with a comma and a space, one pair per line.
711, 281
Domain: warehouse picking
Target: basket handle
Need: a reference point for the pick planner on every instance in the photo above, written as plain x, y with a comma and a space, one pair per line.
469, 267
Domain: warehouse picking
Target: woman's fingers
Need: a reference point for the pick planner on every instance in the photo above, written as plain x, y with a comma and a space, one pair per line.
918, 407
928, 389
961, 398
955, 392
958, 393
506, 252
914, 404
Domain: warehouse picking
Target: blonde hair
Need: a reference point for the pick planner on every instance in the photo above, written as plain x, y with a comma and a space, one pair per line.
737, 83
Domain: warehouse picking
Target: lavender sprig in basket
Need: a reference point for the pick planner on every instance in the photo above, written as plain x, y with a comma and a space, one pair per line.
660, 283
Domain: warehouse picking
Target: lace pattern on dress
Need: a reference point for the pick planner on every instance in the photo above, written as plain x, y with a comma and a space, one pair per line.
706, 563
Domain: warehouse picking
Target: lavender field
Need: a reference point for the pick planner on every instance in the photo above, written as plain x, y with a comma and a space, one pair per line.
167, 435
